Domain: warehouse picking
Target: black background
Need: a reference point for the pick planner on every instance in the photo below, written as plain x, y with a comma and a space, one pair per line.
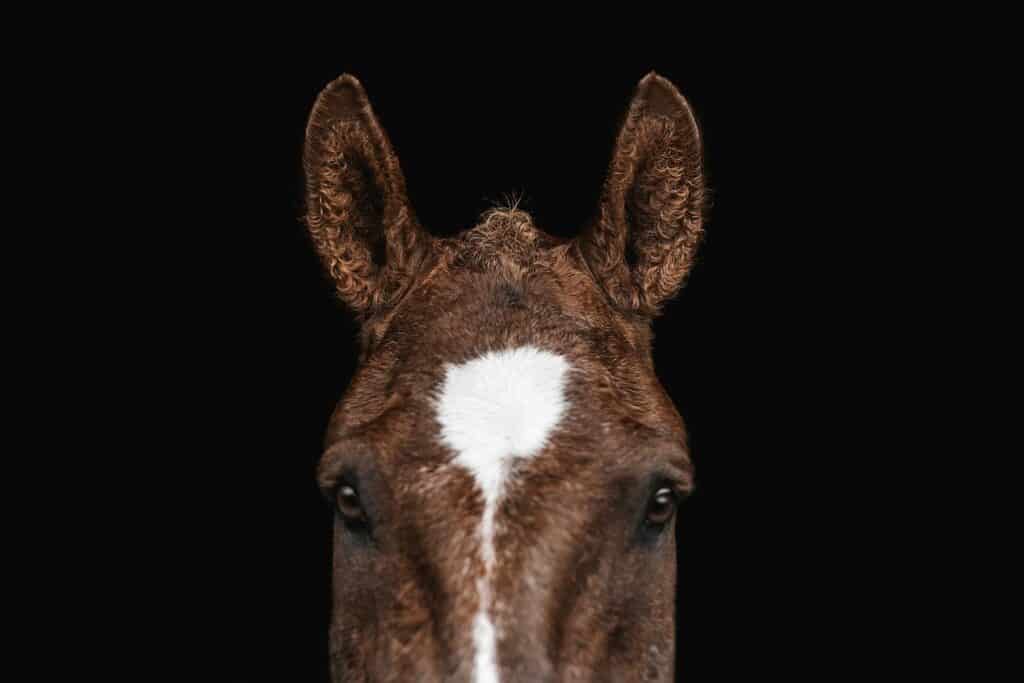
744, 351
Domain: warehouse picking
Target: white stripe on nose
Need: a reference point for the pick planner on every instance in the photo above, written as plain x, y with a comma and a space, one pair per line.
492, 410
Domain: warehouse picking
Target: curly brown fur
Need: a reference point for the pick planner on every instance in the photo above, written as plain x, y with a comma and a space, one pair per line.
357, 210
580, 590
642, 244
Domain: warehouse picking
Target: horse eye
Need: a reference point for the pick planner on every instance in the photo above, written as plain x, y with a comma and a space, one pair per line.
348, 503
661, 507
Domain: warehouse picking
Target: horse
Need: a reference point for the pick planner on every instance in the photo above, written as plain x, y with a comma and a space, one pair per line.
505, 467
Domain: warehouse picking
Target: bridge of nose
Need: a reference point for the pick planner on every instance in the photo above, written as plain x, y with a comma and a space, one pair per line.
495, 411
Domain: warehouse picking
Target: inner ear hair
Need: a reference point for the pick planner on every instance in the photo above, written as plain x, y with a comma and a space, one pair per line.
642, 244
357, 208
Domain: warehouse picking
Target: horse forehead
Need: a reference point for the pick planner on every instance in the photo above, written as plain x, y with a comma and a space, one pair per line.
501, 406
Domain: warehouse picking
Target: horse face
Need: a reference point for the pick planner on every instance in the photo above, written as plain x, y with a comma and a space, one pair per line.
505, 466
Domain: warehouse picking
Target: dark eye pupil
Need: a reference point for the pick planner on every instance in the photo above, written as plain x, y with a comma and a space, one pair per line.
661, 507
348, 501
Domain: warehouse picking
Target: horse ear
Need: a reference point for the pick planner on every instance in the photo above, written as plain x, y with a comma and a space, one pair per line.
642, 243
357, 210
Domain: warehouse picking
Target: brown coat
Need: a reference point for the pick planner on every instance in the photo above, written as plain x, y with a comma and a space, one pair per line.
584, 580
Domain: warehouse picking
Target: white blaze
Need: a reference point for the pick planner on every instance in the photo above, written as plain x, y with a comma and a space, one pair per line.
492, 410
